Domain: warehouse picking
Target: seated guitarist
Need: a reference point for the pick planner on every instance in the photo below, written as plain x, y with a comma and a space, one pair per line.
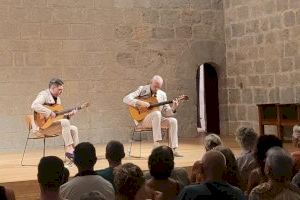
157, 119
50, 97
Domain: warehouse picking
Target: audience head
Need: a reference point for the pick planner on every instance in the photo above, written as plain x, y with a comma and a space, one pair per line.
161, 162
50, 173
296, 130
247, 138
66, 175
264, 143
232, 174
115, 151
213, 165
128, 179
211, 141
279, 164
85, 156
94, 195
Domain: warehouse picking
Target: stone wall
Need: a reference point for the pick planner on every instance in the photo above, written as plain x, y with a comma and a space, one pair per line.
103, 49
262, 56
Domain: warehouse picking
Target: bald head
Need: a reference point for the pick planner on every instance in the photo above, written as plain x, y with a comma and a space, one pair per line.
156, 83
279, 164
214, 165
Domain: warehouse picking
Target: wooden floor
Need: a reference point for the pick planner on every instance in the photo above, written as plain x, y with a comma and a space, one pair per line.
23, 178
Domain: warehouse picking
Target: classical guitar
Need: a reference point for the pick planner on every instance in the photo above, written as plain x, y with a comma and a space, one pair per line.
139, 113
42, 122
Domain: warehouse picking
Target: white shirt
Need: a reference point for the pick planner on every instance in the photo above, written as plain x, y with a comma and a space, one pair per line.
79, 185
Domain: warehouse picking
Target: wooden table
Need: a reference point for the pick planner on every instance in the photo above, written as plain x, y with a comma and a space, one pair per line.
278, 115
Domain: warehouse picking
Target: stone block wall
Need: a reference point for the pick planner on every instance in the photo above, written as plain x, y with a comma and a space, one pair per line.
262, 56
104, 49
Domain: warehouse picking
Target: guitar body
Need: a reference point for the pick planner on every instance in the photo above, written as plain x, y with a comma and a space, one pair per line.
42, 122
139, 114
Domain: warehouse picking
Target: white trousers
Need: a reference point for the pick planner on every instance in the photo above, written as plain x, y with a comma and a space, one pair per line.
155, 121
68, 131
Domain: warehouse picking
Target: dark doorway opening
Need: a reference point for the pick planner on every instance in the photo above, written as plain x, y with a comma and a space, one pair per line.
208, 100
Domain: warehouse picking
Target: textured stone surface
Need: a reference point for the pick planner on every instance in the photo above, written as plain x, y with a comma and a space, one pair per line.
104, 49
264, 36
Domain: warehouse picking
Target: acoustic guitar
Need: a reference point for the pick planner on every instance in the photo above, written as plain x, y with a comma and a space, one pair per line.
42, 122
139, 113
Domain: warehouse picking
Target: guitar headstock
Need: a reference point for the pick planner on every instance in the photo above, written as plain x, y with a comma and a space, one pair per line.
183, 98
84, 105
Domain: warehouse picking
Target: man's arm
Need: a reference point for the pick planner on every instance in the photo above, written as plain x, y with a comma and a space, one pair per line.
38, 105
167, 110
130, 99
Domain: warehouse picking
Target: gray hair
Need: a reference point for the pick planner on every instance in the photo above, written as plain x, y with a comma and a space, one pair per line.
246, 137
157, 78
211, 141
280, 162
56, 82
296, 131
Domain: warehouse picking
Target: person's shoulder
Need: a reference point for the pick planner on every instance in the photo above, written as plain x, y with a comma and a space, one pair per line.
102, 181
161, 92
261, 188
179, 170
45, 92
194, 187
104, 171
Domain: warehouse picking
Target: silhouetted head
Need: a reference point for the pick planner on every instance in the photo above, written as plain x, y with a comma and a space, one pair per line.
85, 156
161, 162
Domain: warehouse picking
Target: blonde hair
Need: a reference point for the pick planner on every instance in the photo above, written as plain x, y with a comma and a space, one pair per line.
211, 141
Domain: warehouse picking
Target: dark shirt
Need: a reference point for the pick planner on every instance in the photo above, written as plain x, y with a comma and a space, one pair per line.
107, 174
211, 191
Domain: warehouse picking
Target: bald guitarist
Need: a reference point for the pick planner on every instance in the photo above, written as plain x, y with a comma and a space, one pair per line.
48, 97
158, 118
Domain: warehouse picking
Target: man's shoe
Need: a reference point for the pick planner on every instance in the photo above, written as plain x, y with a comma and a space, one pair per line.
156, 144
70, 156
176, 154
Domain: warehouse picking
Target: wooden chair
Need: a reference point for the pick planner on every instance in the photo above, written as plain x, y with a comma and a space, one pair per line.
35, 136
137, 129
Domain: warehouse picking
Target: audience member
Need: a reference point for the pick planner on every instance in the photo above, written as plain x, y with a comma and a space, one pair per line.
66, 175
247, 138
232, 174
50, 177
211, 141
128, 180
196, 174
114, 155
296, 136
6, 193
264, 143
296, 180
86, 180
278, 169
214, 187
161, 165
94, 195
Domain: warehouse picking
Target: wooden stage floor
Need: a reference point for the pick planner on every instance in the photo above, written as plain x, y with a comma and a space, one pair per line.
22, 178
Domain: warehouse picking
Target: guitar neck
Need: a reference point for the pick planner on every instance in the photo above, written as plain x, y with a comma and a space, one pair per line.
67, 111
160, 104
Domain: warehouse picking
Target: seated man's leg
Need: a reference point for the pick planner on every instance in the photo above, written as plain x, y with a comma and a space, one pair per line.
66, 133
74, 133
153, 120
171, 123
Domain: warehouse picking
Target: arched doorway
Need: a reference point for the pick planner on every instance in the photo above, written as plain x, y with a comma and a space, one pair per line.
208, 99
